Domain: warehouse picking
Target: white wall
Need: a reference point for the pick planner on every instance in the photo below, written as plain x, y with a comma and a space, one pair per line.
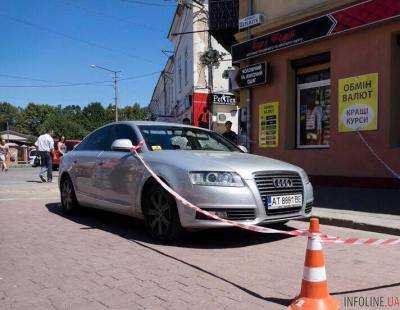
183, 51
190, 47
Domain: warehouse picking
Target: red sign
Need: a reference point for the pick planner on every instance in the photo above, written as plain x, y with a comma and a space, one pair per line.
350, 18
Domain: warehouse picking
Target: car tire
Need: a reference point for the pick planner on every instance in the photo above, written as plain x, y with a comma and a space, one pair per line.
161, 215
69, 203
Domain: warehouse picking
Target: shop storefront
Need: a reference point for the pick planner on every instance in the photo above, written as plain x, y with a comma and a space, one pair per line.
333, 94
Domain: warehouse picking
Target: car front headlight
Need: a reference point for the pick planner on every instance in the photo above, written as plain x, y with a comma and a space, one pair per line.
304, 176
216, 178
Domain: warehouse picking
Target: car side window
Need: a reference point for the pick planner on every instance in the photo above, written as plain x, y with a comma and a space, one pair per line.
82, 145
125, 132
99, 140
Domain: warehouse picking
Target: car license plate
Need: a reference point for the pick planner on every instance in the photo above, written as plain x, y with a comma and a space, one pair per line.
283, 202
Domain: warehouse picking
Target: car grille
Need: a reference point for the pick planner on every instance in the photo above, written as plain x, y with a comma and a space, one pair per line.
308, 208
232, 214
266, 187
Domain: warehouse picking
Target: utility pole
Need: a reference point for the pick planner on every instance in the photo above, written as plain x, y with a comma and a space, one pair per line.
115, 86
116, 95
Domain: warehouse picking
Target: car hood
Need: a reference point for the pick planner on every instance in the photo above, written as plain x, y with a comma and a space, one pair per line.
242, 163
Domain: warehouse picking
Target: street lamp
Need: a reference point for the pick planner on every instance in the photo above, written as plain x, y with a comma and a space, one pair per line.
115, 85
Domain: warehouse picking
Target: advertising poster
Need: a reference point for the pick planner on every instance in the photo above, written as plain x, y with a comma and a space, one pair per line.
269, 125
358, 103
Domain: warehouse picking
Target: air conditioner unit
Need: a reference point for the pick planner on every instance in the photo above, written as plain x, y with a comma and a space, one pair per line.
222, 118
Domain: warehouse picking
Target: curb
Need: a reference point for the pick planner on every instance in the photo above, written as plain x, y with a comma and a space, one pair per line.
357, 225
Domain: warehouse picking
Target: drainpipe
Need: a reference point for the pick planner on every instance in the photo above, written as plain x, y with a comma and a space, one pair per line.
250, 10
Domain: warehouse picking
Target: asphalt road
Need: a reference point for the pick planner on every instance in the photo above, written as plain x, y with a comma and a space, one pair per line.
97, 260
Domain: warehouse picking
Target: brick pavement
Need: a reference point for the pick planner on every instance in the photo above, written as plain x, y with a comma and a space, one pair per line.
97, 260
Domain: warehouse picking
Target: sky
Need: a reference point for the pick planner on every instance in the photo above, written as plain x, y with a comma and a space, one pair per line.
54, 42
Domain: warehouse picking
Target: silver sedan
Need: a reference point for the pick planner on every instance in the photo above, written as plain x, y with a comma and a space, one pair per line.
200, 165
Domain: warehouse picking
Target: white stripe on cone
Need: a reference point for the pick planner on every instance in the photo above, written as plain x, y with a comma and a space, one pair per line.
314, 274
314, 244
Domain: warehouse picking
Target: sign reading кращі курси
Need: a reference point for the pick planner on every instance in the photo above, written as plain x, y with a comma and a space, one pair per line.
358, 103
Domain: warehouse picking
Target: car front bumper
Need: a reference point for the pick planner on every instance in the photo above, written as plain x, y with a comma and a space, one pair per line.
237, 199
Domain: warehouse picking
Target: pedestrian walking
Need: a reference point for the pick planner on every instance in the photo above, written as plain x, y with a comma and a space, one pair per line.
45, 147
61, 147
229, 134
3, 155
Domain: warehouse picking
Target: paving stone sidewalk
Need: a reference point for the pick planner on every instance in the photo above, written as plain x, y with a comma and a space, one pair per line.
98, 260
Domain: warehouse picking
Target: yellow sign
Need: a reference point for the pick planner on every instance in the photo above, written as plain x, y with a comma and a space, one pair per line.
358, 103
156, 148
268, 135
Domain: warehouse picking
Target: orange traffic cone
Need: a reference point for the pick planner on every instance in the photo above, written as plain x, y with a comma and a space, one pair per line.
314, 293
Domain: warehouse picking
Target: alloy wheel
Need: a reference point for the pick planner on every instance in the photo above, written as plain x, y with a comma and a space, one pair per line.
159, 215
66, 195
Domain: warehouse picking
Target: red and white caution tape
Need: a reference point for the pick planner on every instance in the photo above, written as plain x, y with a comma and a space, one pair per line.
265, 230
359, 241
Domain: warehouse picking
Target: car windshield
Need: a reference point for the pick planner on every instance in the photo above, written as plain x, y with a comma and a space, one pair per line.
160, 138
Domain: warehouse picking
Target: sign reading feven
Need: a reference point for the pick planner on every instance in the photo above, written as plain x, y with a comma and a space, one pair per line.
358, 103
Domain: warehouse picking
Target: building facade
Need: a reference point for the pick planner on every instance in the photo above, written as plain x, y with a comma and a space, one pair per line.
197, 93
330, 97
162, 104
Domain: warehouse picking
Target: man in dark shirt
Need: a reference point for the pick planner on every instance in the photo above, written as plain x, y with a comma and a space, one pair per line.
229, 134
204, 118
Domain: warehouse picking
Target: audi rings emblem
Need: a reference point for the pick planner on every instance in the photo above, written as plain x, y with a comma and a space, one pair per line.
282, 183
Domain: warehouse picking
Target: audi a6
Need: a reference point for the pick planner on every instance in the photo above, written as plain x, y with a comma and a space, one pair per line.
199, 164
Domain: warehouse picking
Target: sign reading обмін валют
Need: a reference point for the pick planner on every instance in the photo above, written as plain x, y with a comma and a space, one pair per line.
358, 103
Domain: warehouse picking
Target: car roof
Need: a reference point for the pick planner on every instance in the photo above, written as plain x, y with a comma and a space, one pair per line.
151, 123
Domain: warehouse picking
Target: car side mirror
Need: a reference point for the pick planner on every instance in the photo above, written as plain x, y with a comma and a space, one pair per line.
123, 145
243, 148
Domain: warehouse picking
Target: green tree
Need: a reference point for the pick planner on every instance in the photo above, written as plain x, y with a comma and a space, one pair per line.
134, 112
34, 115
8, 114
62, 125
72, 121
94, 116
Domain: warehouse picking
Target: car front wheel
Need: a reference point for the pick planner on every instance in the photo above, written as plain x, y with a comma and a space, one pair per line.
161, 215
68, 198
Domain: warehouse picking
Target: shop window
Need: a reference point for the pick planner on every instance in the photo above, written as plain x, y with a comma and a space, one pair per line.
313, 92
